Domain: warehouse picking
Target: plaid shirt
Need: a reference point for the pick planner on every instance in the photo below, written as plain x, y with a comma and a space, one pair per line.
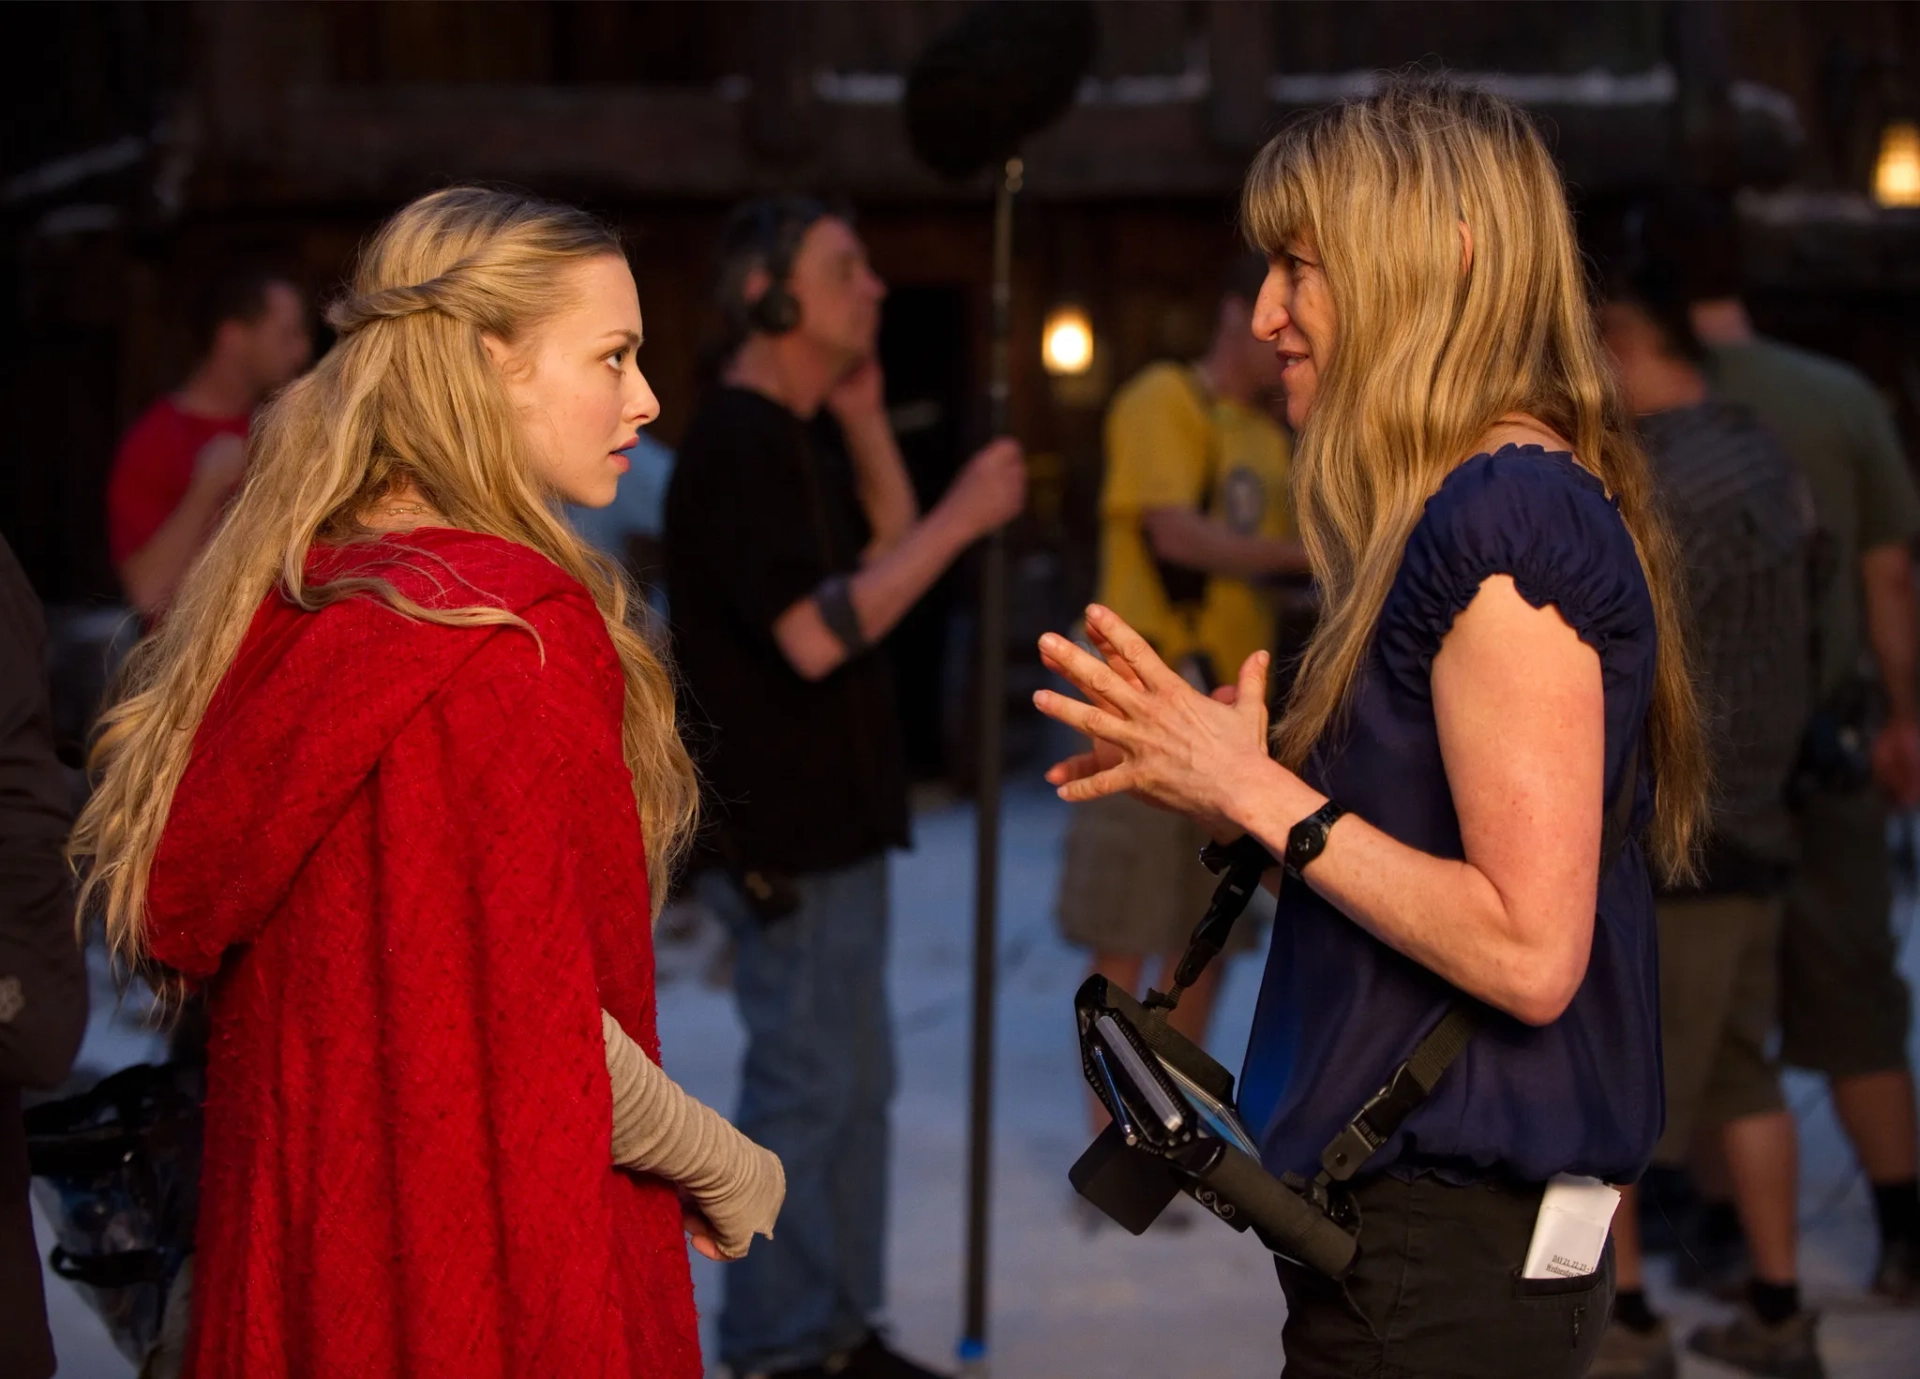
1745, 523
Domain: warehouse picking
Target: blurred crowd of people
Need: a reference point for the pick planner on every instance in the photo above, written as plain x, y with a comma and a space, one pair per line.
1796, 513
785, 542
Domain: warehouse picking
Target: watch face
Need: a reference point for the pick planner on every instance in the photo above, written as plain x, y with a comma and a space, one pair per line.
1308, 838
1221, 1119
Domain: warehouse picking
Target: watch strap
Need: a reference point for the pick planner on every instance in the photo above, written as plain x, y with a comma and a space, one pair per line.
1307, 839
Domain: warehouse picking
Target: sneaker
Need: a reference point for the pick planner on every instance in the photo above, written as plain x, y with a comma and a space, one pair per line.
1787, 1350
1897, 1276
873, 1358
1628, 1354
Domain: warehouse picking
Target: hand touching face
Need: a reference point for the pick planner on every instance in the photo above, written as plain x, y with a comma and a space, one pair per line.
576, 385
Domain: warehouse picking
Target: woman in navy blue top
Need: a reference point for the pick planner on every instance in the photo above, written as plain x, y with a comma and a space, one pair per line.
1580, 1094
1498, 659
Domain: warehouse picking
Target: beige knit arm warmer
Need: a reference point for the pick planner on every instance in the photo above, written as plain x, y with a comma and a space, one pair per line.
658, 1128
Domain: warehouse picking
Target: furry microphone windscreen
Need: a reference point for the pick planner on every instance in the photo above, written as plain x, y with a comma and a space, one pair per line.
1008, 69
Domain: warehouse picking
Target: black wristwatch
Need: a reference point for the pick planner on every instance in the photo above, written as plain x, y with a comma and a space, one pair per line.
1307, 839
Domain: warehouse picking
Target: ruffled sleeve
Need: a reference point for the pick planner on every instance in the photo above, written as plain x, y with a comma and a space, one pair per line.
1529, 514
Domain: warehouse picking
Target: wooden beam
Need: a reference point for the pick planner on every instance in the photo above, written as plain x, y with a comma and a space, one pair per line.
377, 143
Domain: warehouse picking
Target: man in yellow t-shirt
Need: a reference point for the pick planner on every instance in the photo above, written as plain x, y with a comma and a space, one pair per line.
1194, 515
1194, 505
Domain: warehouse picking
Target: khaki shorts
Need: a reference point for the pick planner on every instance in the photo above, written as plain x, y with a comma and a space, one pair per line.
1131, 882
1718, 1001
1843, 1005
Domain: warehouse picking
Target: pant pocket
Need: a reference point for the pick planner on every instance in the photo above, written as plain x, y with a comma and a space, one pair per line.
1562, 1319
1555, 1287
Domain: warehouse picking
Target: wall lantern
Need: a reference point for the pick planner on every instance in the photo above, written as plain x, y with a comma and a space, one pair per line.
1066, 342
1896, 173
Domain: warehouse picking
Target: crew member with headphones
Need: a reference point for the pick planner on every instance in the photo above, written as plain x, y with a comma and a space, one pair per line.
793, 545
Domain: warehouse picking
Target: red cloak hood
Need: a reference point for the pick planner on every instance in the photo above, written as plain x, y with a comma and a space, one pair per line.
302, 719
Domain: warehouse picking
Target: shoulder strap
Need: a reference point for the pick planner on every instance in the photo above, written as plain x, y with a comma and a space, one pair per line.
1412, 1082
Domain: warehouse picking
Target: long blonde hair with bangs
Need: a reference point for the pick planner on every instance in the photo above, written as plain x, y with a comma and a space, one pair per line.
408, 397
1429, 355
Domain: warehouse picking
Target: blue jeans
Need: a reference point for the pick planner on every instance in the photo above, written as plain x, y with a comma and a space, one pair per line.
814, 1089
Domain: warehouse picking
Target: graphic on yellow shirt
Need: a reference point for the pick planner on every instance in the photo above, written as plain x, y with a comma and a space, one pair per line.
1170, 444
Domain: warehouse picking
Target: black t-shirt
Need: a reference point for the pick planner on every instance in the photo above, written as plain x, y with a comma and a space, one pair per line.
802, 776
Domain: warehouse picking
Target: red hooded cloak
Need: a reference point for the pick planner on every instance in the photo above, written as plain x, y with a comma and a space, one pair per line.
406, 862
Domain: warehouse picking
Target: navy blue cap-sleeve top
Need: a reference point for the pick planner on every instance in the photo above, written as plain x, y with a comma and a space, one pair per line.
1338, 1009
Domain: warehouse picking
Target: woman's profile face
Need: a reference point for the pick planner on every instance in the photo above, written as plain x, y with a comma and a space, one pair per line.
576, 386
1295, 315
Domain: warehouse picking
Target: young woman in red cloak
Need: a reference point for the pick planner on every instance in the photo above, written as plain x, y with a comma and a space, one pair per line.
397, 783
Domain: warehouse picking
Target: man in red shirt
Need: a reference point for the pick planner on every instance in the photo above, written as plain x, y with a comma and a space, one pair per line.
180, 462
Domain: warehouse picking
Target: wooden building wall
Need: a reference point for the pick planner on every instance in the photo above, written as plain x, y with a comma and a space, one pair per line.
295, 127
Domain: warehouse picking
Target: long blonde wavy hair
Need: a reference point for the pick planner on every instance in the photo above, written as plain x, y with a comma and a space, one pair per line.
408, 397
1429, 357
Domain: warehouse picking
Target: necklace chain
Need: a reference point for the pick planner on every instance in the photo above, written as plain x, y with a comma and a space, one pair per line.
401, 509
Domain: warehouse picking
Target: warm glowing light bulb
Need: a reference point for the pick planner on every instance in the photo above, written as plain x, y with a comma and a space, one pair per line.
1066, 345
1896, 175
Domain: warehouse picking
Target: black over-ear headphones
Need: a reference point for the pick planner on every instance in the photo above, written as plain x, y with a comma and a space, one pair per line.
766, 234
774, 312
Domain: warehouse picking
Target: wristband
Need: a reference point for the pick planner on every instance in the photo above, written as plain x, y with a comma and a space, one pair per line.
834, 599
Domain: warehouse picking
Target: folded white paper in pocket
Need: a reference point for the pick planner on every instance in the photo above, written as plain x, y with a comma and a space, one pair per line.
1570, 1234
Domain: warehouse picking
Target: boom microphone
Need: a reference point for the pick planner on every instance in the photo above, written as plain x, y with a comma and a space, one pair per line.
1002, 73
1007, 70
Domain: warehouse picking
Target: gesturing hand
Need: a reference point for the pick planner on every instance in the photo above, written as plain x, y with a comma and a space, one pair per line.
1154, 734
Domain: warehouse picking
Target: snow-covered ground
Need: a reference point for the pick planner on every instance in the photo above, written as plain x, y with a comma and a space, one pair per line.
1201, 1303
